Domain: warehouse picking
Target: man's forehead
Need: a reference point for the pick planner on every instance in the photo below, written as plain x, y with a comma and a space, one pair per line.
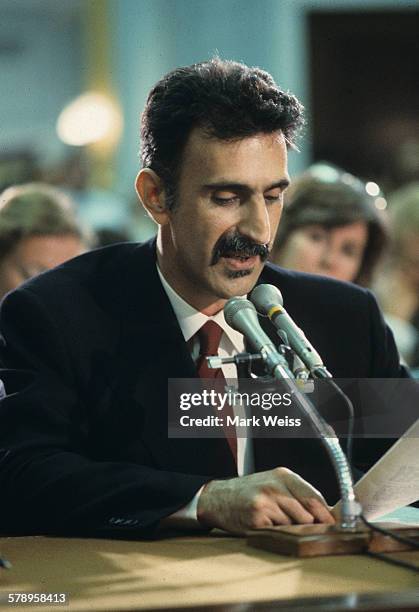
223, 159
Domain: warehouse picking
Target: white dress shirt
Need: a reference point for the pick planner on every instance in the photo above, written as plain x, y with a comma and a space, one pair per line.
232, 342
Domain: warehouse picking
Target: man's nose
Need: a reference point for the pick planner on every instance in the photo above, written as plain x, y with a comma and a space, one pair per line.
254, 221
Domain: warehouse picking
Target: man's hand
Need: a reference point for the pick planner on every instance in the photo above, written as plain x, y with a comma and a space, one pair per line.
275, 497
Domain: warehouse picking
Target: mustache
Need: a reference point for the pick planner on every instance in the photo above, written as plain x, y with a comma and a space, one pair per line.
238, 246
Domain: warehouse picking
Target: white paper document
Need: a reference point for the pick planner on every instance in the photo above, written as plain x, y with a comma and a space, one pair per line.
393, 481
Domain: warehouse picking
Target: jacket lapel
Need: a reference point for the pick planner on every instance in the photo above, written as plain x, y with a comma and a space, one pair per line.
152, 351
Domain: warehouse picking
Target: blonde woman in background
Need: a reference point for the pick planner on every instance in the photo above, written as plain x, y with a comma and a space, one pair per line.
38, 231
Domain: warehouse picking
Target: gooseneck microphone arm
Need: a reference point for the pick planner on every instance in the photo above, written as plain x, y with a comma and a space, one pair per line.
241, 315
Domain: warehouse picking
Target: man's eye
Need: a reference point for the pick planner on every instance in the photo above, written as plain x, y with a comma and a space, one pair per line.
273, 198
226, 200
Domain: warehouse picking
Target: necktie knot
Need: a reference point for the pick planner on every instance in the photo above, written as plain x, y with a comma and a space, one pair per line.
209, 338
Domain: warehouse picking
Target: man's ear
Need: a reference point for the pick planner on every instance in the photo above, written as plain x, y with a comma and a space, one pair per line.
150, 190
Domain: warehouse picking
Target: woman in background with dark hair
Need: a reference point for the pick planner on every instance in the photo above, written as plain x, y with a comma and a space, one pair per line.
330, 225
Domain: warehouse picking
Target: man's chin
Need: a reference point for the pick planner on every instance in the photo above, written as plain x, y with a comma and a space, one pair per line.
239, 282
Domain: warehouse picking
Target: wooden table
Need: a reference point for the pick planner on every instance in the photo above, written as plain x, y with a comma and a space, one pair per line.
196, 571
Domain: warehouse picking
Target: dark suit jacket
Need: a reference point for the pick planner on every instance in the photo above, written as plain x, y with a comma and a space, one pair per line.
87, 349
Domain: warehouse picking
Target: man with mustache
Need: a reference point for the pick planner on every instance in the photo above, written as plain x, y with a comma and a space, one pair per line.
84, 428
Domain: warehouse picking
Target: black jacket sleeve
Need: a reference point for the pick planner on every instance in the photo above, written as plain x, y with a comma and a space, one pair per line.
49, 482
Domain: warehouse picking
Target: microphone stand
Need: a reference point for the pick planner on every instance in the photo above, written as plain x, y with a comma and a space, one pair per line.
350, 509
310, 539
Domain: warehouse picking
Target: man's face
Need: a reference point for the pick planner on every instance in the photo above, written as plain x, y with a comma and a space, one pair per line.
228, 206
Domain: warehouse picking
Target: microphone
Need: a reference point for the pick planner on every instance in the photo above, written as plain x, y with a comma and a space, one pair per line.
268, 301
241, 315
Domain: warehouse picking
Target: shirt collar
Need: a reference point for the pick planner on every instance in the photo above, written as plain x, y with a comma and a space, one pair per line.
191, 320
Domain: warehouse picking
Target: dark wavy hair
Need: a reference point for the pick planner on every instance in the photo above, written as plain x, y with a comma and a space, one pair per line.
226, 99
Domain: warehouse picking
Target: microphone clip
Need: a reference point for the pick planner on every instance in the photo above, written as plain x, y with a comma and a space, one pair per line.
242, 361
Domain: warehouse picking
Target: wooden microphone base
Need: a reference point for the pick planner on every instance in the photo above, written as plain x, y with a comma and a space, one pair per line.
318, 540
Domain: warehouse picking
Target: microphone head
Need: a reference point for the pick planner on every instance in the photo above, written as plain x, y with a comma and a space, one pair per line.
266, 296
234, 306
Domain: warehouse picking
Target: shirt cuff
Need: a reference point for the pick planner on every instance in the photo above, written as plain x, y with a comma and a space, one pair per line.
186, 517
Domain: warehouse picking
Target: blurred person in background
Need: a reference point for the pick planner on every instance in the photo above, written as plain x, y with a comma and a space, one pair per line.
331, 226
38, 231
398, 287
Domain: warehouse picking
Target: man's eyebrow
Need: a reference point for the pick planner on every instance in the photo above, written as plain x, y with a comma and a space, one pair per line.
227, 185
282, 184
